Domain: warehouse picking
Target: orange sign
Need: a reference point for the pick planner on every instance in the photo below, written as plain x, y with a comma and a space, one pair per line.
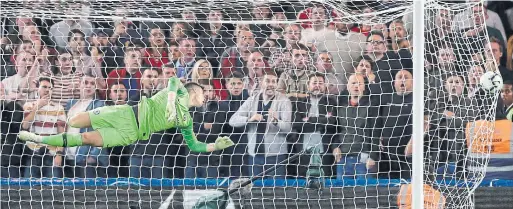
486, 136
433, 199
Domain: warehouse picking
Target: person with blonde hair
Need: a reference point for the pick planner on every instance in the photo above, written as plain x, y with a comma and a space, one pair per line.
203, 73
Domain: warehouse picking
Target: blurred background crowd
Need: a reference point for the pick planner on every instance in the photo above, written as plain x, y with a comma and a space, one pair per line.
274, 89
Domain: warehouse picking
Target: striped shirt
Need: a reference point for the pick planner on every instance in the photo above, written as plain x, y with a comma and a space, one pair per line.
65, 87
46, 121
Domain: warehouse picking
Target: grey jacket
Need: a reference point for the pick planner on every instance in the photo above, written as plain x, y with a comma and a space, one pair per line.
275, 135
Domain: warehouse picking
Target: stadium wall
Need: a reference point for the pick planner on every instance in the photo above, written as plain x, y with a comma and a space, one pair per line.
182, 194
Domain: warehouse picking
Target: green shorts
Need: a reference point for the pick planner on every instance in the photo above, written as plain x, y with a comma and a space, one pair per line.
116, 124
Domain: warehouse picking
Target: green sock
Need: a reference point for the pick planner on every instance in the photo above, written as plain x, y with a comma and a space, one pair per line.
72, 140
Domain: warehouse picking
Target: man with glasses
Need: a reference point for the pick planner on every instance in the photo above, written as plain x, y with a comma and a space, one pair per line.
387, 62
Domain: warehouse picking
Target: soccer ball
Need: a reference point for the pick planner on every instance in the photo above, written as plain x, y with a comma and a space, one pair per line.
491, 81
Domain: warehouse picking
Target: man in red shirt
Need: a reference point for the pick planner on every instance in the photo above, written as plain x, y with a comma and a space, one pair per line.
131, 74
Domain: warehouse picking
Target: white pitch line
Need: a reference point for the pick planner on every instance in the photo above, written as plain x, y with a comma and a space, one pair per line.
167, 202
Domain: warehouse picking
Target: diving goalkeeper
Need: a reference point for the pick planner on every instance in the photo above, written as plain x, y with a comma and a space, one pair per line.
122, 125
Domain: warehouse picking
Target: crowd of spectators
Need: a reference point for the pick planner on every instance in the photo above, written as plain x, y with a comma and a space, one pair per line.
274, 89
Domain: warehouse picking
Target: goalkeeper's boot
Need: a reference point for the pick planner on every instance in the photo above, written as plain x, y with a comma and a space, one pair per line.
31, 137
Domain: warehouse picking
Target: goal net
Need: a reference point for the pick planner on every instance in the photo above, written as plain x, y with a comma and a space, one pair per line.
339, 75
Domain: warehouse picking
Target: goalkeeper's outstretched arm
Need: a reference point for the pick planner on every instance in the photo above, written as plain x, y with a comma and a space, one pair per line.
174, 86
196, 146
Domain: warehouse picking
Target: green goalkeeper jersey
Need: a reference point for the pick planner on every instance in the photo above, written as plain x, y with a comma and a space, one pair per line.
152, 111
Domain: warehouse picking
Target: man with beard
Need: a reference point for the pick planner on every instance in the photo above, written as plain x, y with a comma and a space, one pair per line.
293, 82
315, 121
267, 118
233, 158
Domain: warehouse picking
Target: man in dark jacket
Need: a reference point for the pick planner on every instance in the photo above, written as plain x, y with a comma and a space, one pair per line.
233, 158
396, 130
11, 150
315, 121
357, 135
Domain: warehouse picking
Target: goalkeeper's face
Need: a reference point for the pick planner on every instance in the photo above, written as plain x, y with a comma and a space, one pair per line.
196, 97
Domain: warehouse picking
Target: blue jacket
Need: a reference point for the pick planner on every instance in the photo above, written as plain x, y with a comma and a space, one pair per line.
83, 152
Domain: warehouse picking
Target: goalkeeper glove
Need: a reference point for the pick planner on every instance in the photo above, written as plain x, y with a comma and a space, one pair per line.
509, 113
223, 143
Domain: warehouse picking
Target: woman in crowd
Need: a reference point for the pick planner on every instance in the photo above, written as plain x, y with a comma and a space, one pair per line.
156, 54
202, 73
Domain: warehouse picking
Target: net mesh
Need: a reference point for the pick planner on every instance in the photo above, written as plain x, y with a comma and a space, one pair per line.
358, 113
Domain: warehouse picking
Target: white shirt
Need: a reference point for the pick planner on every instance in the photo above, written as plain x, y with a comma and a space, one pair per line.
12, 84
315, 138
